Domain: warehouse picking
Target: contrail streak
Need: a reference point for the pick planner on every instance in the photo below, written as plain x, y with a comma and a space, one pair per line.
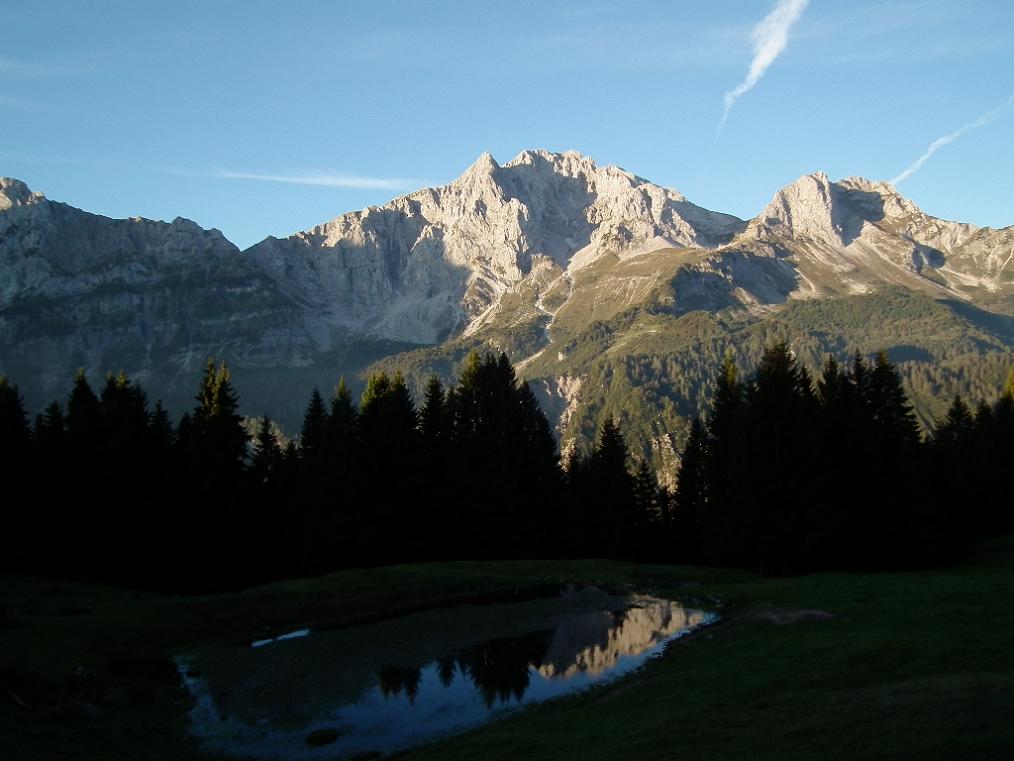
940, 142
770, 37
325, 179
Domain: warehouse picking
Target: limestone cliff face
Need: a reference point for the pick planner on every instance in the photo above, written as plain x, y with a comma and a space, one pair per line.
816, 239
523, 255
81, 290
426, 265
855, 234
15, 193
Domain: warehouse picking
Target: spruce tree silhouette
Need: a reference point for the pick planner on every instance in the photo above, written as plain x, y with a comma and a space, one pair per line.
839, 454
646, 529
689, 501
389, 431
957, 482
267, 454
83, 415
348, 492
897, 521
724, 453
775, 507
18, 541
437, 471
218, 540
612, 484
499, 436
313, 438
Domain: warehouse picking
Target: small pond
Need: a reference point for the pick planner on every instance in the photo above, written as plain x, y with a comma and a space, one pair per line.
373, 689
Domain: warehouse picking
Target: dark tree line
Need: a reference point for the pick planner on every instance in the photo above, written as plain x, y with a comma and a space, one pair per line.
787, 474
105, 487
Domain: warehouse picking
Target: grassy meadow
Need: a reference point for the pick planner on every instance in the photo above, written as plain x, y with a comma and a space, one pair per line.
825, 666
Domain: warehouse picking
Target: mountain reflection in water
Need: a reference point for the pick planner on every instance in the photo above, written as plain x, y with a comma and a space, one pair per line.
591, 643
264, 702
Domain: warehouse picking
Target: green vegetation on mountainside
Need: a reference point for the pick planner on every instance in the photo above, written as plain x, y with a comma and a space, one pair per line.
653, 368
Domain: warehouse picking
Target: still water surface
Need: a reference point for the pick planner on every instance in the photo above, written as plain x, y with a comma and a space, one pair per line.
378, 688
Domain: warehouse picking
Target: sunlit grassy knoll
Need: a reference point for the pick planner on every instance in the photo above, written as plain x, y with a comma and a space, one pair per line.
917, 665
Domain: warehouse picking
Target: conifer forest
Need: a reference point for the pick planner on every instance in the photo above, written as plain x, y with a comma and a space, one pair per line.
789, 472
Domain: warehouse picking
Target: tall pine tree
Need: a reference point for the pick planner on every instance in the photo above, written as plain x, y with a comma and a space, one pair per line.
689, 501
16, 509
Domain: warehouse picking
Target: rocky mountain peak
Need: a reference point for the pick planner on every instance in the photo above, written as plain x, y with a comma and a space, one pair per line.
815, 208
16, 193
430, 263
483, 166
893, 204
567, 164
522, 254
571, 165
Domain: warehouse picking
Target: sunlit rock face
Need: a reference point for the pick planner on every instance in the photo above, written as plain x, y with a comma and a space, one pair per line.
854, 235
15, 193
156, 298
522, 257
424, 266
612, 636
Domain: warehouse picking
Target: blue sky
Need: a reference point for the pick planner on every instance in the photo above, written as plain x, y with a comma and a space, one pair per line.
187, 109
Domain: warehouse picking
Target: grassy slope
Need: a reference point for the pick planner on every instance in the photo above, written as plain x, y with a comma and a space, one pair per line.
646, 362
916, 665
654, 370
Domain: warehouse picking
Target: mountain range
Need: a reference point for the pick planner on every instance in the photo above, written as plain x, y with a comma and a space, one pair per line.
612, 295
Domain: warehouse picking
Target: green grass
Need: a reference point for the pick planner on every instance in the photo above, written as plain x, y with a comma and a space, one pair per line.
653, 367
912, 665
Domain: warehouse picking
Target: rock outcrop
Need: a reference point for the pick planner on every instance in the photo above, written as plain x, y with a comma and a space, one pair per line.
82, 290
426, 265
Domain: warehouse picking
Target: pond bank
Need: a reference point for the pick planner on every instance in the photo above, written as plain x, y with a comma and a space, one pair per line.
906, 668
405, 681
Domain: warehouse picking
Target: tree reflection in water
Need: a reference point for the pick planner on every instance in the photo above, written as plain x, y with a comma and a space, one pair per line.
502, 669
395, 679
382, 693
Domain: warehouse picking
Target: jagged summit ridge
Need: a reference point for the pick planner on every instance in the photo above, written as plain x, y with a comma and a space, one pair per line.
431, 264
427, 264
818, 208
16, 193
856, 234
815, 208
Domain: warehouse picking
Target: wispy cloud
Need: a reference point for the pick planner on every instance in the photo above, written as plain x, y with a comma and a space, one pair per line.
770, 38
940, 142
322, 179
